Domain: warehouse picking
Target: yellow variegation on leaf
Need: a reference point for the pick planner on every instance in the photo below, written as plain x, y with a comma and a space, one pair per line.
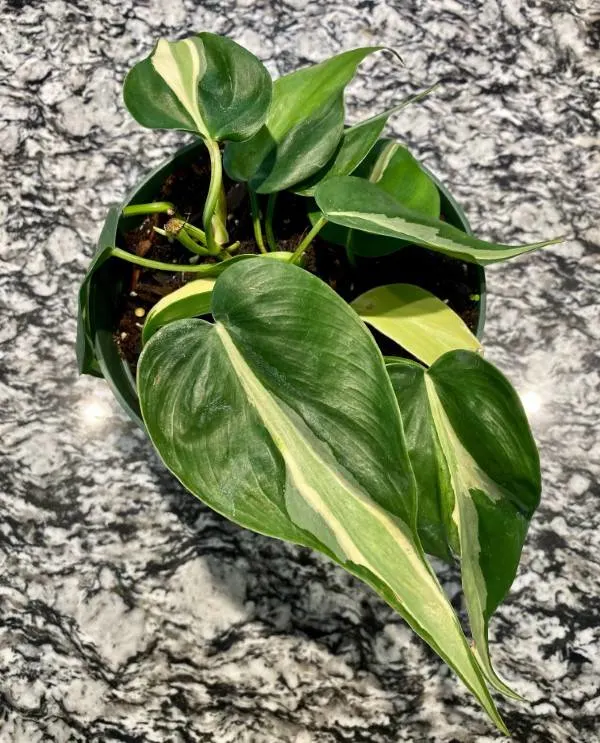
478, 476
206, 84
281, 416
415, 319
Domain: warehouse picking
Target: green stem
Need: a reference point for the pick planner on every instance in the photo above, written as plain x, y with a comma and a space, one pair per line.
254, 208
147, 263
154, 207
349, 254
195, 232
182, 235
212, 198
317, 227
351, 257
271, 241
186, 240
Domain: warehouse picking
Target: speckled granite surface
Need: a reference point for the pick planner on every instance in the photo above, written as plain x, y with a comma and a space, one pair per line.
128, 611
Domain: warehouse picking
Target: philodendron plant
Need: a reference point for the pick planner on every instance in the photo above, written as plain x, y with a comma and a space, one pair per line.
281, 413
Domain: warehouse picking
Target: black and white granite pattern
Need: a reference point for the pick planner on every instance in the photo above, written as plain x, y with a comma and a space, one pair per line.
128, 611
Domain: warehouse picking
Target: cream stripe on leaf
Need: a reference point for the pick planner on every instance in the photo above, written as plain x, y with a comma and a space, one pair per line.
354, 202
477, 470
206, 83
281, 416
181, 64
303, 129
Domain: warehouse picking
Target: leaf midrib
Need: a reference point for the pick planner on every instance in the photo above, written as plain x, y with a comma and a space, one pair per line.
264, 401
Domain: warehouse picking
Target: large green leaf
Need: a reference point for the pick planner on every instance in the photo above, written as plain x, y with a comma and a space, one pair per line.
477, 472
361, 205
415, 319
206, 84
357, 142
303, 128
281, 416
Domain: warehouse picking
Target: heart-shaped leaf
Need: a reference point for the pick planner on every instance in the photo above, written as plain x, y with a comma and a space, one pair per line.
477, 472
205, 84
281, 416
415, 319
303, 127
358, 204
357, 142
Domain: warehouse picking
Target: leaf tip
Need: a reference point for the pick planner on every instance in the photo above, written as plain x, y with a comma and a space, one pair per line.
394, 53
558, 240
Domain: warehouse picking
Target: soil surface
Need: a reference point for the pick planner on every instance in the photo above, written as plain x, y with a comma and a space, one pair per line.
451, 280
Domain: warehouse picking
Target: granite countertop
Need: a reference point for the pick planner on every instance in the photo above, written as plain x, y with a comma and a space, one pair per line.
129, 611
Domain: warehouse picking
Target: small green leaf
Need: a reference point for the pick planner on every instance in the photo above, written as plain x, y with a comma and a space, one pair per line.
357, 142
206, 84
303, 127
267, 417
358, 204
192, 300
415, 319
478, 475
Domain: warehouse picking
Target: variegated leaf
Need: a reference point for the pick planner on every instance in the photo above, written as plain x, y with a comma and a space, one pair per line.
191, 300
392, 167
477, 472
415, 319
206, 84
356, 203
281, 416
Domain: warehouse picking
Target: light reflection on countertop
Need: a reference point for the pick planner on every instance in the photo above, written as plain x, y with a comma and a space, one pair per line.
94, 412
532, 402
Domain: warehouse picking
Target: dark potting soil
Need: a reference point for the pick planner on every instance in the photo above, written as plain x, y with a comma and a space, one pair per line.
453, 281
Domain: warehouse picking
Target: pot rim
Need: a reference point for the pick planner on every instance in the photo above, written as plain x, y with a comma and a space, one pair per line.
122, 382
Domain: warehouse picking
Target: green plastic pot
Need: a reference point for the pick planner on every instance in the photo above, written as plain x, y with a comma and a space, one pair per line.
112, 277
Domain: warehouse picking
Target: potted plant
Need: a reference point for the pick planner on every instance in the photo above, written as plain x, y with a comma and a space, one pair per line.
308, 298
